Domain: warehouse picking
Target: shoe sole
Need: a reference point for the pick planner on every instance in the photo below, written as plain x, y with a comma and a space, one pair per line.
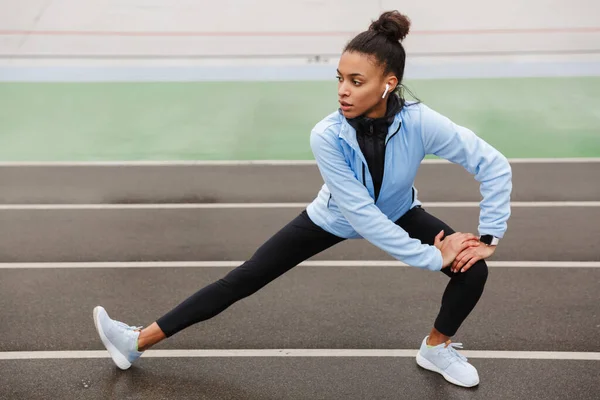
118, 358
425, 363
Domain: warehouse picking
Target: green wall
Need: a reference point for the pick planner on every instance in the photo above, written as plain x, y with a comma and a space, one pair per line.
527, 117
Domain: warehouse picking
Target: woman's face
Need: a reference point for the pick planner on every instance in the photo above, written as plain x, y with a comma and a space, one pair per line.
361, 85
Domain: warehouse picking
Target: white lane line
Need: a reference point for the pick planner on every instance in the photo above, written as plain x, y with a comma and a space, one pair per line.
317, 263
520, 204
532, 355
178, 206
160, 206
175, 163
166, 163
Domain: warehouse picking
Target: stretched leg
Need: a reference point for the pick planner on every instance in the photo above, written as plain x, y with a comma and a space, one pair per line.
297, 241
464, 289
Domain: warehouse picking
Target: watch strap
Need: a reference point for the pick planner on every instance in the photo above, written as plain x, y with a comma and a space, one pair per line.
489, 240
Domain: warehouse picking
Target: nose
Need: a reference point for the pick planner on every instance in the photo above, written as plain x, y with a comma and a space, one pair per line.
343, 90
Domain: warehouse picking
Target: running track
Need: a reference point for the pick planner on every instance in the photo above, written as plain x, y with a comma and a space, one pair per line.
343, 326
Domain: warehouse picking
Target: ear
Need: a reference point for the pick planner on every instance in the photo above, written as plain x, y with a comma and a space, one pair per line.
392, 81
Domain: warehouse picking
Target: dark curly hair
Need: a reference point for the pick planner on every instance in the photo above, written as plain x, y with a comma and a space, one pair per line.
383, 41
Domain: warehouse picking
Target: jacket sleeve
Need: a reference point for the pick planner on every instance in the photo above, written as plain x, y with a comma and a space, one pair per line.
491, 169
359, 209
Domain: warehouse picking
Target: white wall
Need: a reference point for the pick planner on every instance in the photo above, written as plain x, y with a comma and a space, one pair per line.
58, 40
176, 27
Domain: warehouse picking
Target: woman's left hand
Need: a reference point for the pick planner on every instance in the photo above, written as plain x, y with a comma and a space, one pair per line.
470, 256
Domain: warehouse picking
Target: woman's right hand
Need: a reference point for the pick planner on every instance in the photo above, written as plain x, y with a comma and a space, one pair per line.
452, 245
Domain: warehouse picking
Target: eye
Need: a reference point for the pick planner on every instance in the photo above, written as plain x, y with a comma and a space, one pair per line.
356, 83
339, 78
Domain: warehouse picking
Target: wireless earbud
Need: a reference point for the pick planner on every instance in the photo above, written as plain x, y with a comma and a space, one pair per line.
387, 87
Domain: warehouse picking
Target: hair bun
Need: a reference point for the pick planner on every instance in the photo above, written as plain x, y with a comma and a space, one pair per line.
392, 24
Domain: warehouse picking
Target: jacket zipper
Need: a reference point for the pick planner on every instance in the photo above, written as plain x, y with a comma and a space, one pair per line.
384, 149
363, 161
371, 142
394, 134
363, 174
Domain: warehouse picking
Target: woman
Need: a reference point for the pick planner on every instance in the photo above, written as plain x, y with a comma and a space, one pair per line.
373, 131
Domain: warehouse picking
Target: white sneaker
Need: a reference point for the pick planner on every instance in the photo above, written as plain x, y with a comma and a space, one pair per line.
445, 360
119, 339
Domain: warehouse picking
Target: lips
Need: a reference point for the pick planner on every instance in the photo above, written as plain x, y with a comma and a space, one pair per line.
345, 106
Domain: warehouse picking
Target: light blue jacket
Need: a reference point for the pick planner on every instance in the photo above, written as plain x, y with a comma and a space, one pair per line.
345, 207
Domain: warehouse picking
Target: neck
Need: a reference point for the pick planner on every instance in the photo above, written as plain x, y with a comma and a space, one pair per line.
378, 111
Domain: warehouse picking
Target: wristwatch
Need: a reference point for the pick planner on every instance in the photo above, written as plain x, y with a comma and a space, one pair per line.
489, 240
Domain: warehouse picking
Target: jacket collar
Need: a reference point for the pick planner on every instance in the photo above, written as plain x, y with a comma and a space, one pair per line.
348, 128
363, 124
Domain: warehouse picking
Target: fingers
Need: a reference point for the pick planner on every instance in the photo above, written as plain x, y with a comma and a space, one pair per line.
463, 237
470, 263
465, 244
464, 261
470, 237
453, 267
459, 257
438, 237
473, 243
461, 260
455, 247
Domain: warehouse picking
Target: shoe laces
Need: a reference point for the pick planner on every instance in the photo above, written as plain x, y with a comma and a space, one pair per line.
127, 327
451, 354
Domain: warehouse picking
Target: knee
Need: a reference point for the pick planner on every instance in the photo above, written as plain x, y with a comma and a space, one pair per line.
477, 275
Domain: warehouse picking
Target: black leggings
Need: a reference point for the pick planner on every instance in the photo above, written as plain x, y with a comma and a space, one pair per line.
301, 239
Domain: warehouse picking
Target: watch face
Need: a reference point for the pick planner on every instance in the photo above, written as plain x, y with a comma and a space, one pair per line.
487, 239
